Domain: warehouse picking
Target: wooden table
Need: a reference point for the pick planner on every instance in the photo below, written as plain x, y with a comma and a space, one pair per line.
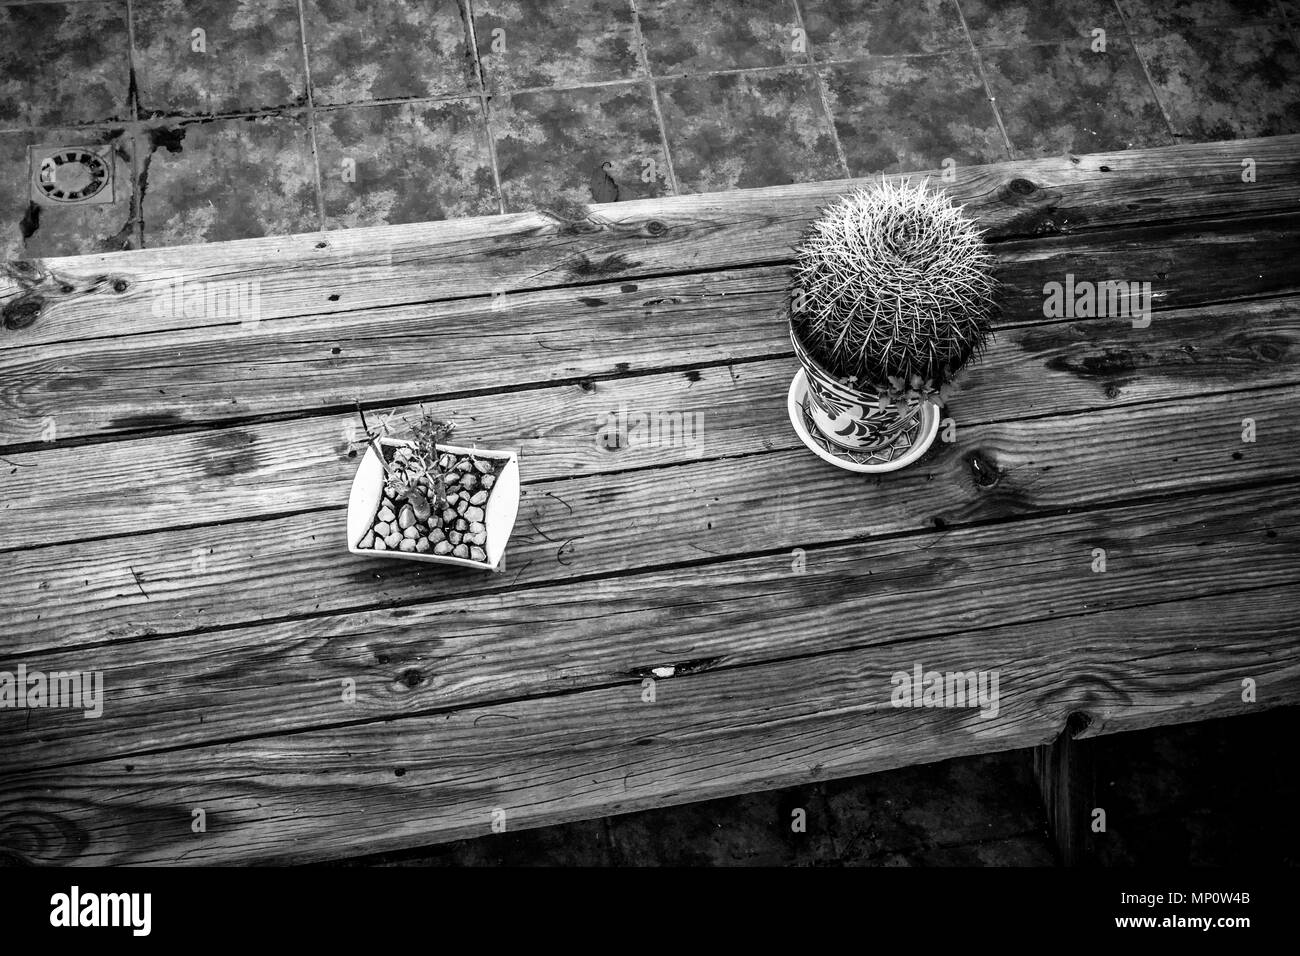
175, 481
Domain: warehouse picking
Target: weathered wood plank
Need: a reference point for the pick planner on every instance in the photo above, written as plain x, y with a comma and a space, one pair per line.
74, 389
110, 294
460, 652
269, 468
388, 355
187, 579
417, 780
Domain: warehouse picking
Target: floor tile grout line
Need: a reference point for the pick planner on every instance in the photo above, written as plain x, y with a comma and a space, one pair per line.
643, 54
1151, 83
984, 78
471, 94
466, 8
1155, 92
821, 90
311, 117
1291, 27
311, 108
133, 107
182, 118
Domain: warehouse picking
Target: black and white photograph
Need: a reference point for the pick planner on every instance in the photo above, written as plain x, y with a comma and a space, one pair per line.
472, 436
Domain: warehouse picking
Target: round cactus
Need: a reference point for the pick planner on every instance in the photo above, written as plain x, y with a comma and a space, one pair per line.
893, 289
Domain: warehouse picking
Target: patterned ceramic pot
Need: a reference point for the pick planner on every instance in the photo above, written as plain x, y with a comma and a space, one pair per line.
848, 417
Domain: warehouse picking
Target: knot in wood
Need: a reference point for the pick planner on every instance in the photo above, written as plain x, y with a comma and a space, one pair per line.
986, 473
411, 678
22, 312
1077, 723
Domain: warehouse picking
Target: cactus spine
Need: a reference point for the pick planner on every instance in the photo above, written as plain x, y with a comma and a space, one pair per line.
893, 289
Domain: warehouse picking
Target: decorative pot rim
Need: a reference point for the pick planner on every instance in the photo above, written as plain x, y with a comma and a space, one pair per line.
928, 429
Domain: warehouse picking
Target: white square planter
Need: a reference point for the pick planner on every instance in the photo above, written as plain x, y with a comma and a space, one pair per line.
498, 515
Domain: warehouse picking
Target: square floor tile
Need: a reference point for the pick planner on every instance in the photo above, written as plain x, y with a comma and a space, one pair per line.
200, 57
700, 36
31, 230
740, 130
1017, 22
896, 114
63, 63
524, 45
1228, 83
409, 162
1059, 98
1180, 16
850, 29
229, 179
552, 146
387, 49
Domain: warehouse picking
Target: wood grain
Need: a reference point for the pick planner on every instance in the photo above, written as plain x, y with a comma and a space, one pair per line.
444, 350
458, 651
182, 530
426, 779
190, 579
317, 274
269, 468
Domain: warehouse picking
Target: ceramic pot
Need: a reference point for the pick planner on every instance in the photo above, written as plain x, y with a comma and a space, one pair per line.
498, 518
848, 417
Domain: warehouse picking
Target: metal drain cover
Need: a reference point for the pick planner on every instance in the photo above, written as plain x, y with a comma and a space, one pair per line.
66, 175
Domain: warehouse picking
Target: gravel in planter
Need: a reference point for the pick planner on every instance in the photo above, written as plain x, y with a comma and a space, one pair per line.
420, 527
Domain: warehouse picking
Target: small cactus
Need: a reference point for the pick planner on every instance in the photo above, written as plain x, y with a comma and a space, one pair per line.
415, 468
893, 290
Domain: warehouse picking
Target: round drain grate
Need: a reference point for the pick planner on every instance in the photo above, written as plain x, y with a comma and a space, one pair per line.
72, 174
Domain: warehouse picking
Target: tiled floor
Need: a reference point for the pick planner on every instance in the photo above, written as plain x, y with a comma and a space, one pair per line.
234, 119
230, 119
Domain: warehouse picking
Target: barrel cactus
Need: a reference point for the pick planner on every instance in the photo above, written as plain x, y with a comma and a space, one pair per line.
893, 290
